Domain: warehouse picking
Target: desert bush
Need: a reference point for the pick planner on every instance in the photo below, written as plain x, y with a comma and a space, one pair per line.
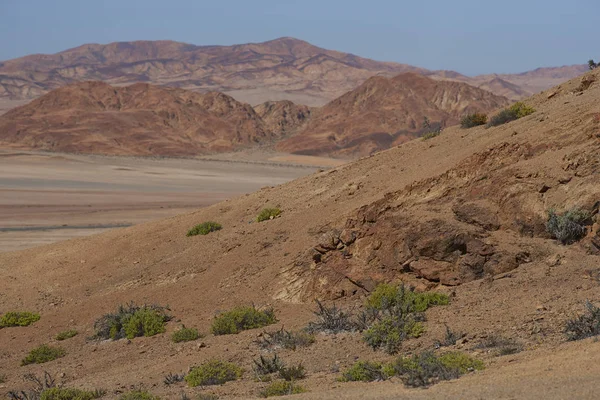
500, 345
42, 354
472, 120
426, 368
584, 326
364, 371
431, 135
430, 131
204, 228
281, 388
268, 213
450, 338
64, 335
331, 320
568, 227
185, 335
18, 318
394, 313
293, 373
138, 395
171, 378
213, 372
71, 394
131, 321
593, 65
266, 366
514, 112
289, 340
241, 319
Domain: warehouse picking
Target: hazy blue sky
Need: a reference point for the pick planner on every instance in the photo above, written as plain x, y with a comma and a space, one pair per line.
469, 36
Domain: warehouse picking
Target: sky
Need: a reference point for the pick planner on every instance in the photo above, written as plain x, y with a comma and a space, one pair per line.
468, 36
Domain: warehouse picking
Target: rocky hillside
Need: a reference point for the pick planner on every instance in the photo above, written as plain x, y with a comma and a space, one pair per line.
281, 69
385, 112
141, 119
463, 213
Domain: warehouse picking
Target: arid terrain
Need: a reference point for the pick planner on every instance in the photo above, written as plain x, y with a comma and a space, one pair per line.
45, 198
463, 214
281, 69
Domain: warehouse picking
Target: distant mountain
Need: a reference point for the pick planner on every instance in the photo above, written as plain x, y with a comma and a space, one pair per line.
384, 112
281, 69
142, 119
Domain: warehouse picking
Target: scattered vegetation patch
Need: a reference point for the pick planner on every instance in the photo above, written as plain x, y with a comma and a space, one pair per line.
586, 325
293, 373
569, 226
241, 319
64, 335
71, 394
204, 228
364, 371
500, 345
394, 313
268, 213
18, 318
171, 378
266, 366
331, 320
426, 368
213, 372
514, 112
138, 395
473, 120
289, 340
131, 321
185, 335
450, 338
282, 388
45, 382
430, 130
43, 354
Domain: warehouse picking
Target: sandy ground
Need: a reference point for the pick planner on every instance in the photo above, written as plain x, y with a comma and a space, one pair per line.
46, 198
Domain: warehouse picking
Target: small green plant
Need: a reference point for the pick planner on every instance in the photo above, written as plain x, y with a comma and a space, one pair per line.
240, 319
131, 321
472, 120
204, 228
281, 388
331, 320
514, 112
138, 395
293, 373
42, 354
388, 333
289, 340
568, 227
521, 109
266, 366
364, 371
71, 394
584, 326
268, 213
18, 318
461, 361
64, 335
213, 372
450, 338
185, 335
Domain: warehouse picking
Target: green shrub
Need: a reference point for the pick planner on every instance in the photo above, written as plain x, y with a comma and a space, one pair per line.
364, 371
213, 372
268, 213
286, 339
431, 135
568, 227
426, 368
42, 354
204, 228
586, 325
70, 394
281, 388
388, 296
138, 395
292, 373
266, 366
331, 320
185, 335
514, 112
388, 333
521, 109
132, 321
64, 335
18, 318
472, 120
240, 319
